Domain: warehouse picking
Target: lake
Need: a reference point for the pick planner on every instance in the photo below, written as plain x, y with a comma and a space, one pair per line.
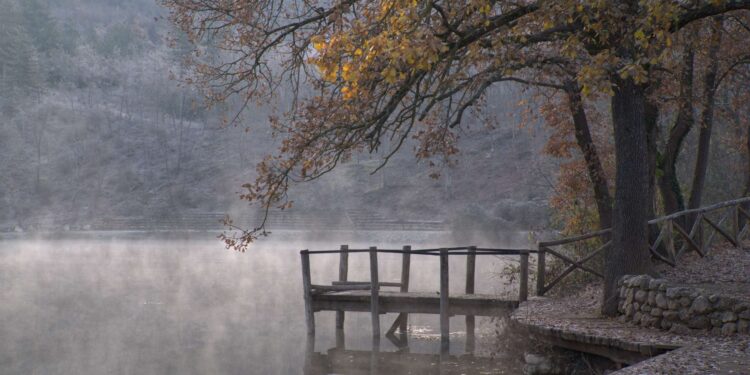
180, 303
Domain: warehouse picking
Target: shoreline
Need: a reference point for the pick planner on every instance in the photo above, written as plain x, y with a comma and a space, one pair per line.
573, 322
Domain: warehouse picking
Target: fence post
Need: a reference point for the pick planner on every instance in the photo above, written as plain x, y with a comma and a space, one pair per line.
343, 276
307, 293
670, 240
405, 269
540, 271
444, 307
523, 289
699, 230
736, 226
374, 292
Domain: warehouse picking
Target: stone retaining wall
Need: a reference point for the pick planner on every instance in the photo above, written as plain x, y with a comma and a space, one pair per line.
653, 302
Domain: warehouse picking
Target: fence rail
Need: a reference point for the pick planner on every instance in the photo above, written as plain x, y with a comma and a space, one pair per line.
731, 221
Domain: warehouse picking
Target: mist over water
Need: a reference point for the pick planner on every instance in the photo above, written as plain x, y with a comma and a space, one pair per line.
98, 133
180, 303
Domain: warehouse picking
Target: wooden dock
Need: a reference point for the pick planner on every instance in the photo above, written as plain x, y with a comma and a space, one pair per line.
344, 295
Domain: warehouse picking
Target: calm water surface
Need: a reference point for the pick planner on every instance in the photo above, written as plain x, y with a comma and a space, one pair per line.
179, 303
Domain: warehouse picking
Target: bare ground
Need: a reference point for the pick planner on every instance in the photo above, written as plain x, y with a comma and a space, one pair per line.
724, 270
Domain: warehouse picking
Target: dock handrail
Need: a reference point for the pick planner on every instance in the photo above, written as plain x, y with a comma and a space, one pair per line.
374, 285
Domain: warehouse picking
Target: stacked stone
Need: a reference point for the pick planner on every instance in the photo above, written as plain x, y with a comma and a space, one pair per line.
652, 302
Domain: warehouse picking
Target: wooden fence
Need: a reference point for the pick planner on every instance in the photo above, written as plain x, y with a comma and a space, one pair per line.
679, 232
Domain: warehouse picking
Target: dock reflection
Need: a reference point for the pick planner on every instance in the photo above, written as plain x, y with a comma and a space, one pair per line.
340, 360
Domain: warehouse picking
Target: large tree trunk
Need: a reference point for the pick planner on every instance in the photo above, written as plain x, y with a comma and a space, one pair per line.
591, 156
707, 119
629, 251
747, 171
669, 185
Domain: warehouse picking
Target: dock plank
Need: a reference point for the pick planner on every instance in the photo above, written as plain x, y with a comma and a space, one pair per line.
413, 302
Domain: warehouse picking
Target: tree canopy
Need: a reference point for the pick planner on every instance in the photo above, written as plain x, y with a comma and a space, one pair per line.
385, 71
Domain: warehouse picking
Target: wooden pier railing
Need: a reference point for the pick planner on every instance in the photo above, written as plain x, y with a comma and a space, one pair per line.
345, 295
679, 232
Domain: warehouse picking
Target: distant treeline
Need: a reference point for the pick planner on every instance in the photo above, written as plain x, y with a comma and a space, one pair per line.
95, 124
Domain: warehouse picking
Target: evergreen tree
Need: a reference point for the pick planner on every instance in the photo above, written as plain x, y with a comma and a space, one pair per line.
40, 25
20, 71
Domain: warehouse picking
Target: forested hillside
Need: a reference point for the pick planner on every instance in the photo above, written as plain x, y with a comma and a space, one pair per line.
96, 125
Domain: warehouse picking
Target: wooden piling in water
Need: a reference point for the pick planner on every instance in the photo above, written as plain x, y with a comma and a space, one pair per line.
405, 270
523, 289
343, 276
471, 262
374, 292
444, 302
307, 292
340, 339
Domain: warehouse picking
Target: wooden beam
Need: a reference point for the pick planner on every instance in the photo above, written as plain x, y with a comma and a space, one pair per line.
664, 259
746, 227
719, 230
382, 283
701, 210
689, 241
340, 339
572, 267
396, 324
541, 255
444, 302
414, 303
659, 238
669, 237
695, 231
743, 233
571, 261
582, 237
523, 289
343, 276
374, 293
707, 243
471, 265
736, 226
307, 292
339, 288
405, 271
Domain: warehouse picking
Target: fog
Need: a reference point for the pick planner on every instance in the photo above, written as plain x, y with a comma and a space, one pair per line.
114, 177
136, 303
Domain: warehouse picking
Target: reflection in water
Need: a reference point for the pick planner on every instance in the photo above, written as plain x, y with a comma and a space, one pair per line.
340, 360
182, 304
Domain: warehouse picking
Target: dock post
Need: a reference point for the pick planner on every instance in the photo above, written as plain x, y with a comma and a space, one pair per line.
540, 271
307, 293
340, 339
405, 269
308, 367
343, 276
374, 292
471, 262
523, 290
444, 302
